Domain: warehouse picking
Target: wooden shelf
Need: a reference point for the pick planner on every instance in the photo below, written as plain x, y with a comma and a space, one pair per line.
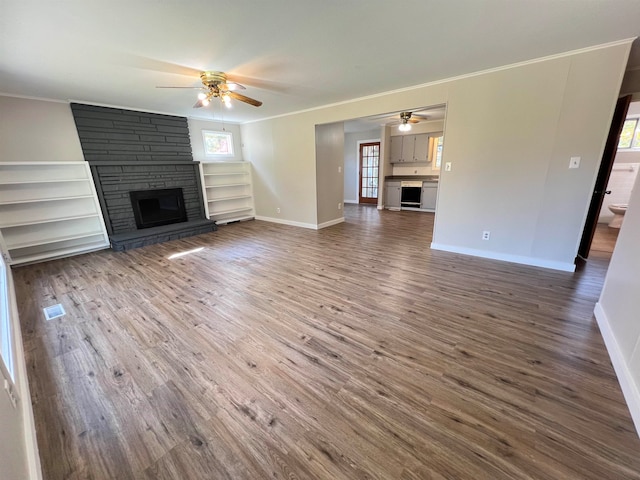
229, 185
39, 225
35, 182
228, 198
225, 174
50, 199
52, 240
48, 220
237, 199
231, 210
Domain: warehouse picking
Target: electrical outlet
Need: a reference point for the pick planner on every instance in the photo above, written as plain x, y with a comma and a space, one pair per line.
339, 169
574, 162
486, 234
339, 206
278, 210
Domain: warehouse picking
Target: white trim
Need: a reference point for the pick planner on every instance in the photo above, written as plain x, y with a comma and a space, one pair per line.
330, 223
20, 370
456, 78
287, 222
534, 262
359, 166
625, 377
301, 224
350, 200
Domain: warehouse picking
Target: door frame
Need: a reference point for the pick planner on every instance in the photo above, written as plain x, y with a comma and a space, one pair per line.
359, 166
604, 172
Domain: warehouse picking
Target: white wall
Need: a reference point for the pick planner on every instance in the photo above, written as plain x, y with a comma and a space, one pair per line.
509, 135
37, 131
329, 172
617, 310
196, 126
351, 161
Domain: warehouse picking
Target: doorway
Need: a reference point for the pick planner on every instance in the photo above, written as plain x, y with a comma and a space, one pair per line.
369, 161
614, 182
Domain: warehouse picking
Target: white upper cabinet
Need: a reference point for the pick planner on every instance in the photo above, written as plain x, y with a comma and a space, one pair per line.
412, 148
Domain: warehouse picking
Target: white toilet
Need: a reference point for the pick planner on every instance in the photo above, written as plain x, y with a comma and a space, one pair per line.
618, 210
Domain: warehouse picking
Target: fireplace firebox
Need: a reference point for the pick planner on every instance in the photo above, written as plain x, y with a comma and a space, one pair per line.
152, 208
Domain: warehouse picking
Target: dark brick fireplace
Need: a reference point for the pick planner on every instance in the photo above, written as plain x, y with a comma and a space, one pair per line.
136, 151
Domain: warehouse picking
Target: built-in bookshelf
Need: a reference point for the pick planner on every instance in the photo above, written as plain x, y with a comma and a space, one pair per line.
228, 191
49, 210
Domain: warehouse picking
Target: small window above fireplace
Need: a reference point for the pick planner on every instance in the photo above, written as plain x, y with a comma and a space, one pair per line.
152, 208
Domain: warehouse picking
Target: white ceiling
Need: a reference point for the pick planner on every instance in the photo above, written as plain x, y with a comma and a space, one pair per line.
290, 54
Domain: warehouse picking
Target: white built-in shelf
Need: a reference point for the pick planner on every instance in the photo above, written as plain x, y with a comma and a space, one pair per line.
228, 191
35, 200
225, 174
229, 185
49, 210
224, 199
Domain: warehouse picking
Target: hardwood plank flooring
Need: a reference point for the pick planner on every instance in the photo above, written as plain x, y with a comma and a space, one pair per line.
353, 352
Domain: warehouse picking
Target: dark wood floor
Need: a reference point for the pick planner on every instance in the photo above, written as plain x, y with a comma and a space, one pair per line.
353, 352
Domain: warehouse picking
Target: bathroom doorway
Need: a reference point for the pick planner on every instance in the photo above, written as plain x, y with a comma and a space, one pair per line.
620, 181
604, 172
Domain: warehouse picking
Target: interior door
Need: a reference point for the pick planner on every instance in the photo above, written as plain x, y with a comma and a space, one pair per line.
369, 169
604, 172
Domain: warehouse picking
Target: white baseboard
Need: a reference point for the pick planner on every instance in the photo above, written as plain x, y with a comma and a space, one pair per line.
625, 377
301, 224
534, 262
335, 221
350, 201
287, 222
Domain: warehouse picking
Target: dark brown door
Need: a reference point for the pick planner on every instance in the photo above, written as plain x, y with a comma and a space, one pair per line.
369, 169
604, 173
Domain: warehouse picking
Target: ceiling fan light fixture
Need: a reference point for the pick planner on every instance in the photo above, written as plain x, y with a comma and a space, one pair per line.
205, 101
226, 99
202, 96
404, 126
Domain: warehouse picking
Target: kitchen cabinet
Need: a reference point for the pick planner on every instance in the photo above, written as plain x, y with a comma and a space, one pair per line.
410, 148
393, 193
429, 196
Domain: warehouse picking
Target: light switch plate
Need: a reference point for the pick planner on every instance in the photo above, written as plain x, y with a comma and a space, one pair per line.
447, 166
574, 162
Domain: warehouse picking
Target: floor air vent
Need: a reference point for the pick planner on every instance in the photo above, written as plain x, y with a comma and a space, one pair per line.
54, 311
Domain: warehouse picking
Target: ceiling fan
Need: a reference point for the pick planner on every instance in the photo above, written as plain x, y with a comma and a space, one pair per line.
215, 84
406, 118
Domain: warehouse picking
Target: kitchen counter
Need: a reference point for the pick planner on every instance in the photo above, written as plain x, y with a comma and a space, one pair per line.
420, 178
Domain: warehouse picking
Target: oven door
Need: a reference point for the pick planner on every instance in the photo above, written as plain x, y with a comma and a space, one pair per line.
411, 193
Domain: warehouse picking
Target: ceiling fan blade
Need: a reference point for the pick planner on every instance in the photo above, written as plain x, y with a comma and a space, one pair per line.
198, 104
196, 88
231, 86
244, 99
413, 120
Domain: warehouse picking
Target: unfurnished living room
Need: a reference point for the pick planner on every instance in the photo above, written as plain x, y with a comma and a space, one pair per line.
319, 240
